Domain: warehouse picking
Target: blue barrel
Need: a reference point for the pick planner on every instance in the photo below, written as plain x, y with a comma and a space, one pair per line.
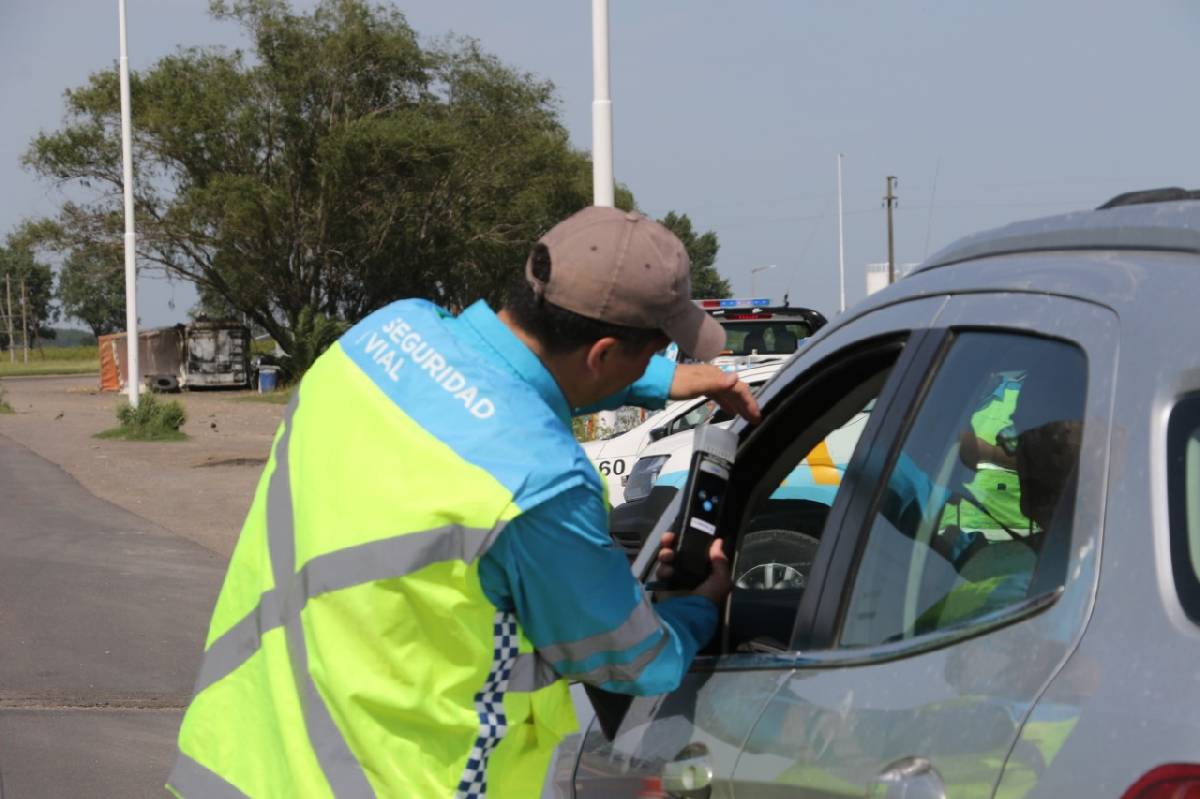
268, 379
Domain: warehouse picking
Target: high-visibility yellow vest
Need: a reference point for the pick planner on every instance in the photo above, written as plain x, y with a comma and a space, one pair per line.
352, 651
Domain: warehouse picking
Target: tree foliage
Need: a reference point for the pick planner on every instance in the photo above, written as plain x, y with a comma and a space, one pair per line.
19, 265
91, 288
702, 250
338, 166
314, 333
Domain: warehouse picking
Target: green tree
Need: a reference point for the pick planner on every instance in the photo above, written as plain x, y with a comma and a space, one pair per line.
19, 266
702, 250
338, 166
91, 288
314, 333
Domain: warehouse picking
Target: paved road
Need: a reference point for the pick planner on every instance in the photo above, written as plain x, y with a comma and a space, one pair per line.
102, 620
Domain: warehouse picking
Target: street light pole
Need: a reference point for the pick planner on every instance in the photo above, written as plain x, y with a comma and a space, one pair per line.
603, 190
133, 379
753, 273
841, 244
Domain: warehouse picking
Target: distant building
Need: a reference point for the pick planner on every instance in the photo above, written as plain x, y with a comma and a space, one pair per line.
877, 275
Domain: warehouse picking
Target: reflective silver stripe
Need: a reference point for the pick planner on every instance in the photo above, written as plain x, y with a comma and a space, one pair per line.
639, 625
241, 641
190, 779
531, 672
281, 545
345, 568
621, 672
342, 769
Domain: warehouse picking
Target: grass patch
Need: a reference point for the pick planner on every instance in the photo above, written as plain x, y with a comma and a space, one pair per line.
152, 420
278, 397
52, 361
4, 406
49, 368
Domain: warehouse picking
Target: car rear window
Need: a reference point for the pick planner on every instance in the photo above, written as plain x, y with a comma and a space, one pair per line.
764, 338
1183, 489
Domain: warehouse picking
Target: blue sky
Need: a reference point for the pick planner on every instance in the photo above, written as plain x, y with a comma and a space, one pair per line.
987, 112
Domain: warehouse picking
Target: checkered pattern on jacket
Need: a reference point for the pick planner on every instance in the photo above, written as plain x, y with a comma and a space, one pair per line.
490, 704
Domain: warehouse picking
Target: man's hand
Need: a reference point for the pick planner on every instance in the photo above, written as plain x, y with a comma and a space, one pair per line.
972, 450
724, 388
718, 583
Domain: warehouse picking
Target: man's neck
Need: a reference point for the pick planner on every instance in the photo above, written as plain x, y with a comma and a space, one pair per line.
560, 367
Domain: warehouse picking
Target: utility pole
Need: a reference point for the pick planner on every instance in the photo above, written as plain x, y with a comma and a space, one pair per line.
890, 199
12, 342
24, 322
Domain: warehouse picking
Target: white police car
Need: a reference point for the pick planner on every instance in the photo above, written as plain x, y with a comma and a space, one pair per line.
615, 456
663, 466
757, 331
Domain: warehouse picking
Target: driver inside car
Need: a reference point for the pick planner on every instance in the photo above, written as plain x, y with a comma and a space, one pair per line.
997, 559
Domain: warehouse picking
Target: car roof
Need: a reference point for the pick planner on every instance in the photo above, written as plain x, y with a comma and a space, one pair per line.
771, 314
1137, 260
1141, 261
1168, 226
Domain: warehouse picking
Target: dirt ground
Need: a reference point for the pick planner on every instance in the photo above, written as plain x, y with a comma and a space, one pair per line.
200, 488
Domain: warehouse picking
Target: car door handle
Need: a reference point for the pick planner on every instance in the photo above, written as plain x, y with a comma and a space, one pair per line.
908, 778
690, 774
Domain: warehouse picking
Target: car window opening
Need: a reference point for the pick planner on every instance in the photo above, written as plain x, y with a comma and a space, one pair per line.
984, 479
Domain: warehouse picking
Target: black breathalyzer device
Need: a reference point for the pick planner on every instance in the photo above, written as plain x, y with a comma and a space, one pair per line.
713, 452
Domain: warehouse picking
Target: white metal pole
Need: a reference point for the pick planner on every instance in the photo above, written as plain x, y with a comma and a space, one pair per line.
603, 189
131, 332
841, 243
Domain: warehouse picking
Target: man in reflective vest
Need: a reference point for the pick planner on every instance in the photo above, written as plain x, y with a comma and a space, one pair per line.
427, 558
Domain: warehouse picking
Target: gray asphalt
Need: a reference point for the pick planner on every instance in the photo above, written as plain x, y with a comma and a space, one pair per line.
102, 621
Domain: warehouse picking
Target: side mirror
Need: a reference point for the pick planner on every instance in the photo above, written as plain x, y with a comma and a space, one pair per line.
658, 433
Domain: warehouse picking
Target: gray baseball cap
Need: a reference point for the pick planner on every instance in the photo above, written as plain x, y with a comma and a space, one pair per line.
624, 268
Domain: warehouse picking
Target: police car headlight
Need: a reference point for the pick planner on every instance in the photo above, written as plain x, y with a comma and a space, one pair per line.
642, 476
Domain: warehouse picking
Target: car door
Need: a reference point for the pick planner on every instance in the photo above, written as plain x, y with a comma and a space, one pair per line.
963, 570
687, 742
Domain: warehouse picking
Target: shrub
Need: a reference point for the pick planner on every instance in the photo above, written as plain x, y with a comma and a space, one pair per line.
152, 420
4, 406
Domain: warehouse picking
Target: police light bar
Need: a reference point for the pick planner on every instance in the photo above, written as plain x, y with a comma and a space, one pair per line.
756, 302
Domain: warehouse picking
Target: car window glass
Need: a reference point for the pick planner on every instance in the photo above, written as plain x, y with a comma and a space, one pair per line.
1183, 485
983, 481
764, 338
708, 411
693, 417
782, 531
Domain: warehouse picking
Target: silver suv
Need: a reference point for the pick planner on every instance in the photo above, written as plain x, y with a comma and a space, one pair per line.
999, 593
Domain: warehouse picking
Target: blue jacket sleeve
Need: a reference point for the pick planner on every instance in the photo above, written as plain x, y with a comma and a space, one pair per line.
571, 589
649, 391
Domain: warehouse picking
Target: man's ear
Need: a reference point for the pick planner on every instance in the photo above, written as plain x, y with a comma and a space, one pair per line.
599, 353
